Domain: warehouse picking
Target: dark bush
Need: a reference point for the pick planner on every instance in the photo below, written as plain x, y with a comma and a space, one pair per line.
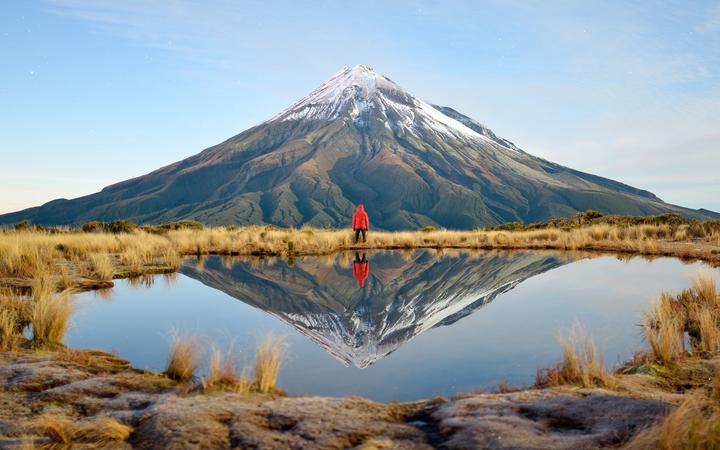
591, 217
93, 227
116, 226
591, 214
121, 226
511, 226
23, 225
184, 225
180, 225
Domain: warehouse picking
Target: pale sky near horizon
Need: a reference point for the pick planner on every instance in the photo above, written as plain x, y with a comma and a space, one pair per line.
95, 92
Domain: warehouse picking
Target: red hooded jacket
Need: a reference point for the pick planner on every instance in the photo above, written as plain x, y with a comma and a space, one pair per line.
360, 219
361, 270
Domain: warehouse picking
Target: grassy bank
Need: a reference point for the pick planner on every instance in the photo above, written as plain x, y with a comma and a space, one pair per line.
99, 256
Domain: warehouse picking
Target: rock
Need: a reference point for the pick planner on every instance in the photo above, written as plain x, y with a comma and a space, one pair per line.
554, 418
164, 414
37, 376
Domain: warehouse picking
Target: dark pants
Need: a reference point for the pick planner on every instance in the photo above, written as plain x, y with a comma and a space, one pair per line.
357, 234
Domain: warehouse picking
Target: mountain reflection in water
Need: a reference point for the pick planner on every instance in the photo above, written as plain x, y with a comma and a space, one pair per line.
360, 315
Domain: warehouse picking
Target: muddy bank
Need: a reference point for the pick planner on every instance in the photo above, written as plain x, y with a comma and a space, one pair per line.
85, 386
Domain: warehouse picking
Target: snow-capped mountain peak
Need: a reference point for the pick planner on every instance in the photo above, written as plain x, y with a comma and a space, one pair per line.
349, 91
364, 97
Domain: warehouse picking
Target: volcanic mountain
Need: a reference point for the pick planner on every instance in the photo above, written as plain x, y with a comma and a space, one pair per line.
358, 138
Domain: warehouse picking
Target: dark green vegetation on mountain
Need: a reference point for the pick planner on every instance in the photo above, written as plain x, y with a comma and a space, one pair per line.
358, 138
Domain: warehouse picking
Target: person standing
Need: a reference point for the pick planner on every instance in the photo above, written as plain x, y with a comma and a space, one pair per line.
360, 223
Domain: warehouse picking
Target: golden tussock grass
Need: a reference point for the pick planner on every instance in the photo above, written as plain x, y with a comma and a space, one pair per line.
664, 329
26, 253
65, 278
8, 330
695, 424
56, 427
15, 315
50, 312
695, 311
582, 363
715, 385
102, 430
184, 358
224, 374
269, 358
171, 258
707, 321
703, 284
133, 259
101, 267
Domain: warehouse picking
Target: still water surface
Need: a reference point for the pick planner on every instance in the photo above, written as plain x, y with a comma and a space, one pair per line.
389, 325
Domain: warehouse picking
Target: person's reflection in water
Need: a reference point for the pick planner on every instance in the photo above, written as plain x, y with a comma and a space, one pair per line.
361, 268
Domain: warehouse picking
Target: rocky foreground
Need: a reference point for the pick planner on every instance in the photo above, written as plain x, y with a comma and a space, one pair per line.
86, 386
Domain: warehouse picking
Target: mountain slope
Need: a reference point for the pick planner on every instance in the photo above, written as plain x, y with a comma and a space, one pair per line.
359, 137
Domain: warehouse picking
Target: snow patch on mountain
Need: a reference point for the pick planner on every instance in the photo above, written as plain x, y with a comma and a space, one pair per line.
360, 94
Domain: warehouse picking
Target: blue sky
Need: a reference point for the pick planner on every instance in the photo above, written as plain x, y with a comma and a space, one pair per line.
94, 92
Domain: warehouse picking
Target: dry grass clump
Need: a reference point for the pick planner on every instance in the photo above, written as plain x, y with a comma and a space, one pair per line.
582, 363
8, 333
695, 311
703, 284
15, 315
664, 329
269, 357
707, 321
695, 424
171, 258
65, 278
223, 374
184, 358
58, 428
101, 266
134, 260
102, 430
715, 385
22, 254
50, 312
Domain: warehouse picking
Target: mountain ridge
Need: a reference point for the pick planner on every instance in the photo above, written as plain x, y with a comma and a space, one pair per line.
358, 138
